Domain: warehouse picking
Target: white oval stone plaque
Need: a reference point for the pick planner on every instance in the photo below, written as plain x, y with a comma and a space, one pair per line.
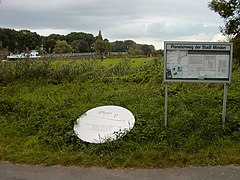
104, 123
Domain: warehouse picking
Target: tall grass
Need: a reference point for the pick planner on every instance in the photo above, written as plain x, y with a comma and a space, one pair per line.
44, 70
40, 101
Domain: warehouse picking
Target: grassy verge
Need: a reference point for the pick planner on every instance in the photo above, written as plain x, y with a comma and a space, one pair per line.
40, 101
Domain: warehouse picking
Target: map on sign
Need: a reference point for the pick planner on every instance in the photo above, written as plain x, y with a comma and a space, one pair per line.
197, 61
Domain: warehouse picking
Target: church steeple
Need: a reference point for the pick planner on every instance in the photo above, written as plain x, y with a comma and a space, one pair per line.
99, 36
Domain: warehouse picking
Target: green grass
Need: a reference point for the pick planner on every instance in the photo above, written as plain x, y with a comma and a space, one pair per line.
40, 101
134, 62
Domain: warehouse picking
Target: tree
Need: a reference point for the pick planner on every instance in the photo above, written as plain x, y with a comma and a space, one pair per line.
3, 53
84, 38
28, 40
134, 52
62, 47
81, 42
130, 44
19, 41
80, 46
49, 44
147, 49
236, 48
99, 36
118, 46
102, 47
123, 46
9, 39
230, 12
56, 37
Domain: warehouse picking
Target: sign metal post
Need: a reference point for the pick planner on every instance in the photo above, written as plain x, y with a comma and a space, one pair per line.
166, 104
224, 104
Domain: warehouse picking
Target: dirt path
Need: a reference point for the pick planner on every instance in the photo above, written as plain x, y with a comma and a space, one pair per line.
23, 172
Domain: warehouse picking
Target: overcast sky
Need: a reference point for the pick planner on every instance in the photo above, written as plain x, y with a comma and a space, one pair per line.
144, 21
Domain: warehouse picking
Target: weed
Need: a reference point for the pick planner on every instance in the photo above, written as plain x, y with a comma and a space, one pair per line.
41, 100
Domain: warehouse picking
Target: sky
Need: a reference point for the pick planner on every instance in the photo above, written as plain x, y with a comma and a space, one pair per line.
144, 21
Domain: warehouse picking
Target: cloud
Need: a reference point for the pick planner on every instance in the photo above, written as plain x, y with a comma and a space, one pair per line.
174, 29
179, 29
146, 21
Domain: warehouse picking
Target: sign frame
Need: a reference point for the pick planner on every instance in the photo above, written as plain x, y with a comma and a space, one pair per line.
198, 49
223, 58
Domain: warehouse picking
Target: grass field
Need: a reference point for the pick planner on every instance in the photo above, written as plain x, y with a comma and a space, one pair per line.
41, 100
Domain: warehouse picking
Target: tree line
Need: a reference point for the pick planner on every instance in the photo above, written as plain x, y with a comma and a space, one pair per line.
75, 42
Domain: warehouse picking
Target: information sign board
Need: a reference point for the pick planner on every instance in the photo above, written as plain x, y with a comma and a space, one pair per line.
197, 61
